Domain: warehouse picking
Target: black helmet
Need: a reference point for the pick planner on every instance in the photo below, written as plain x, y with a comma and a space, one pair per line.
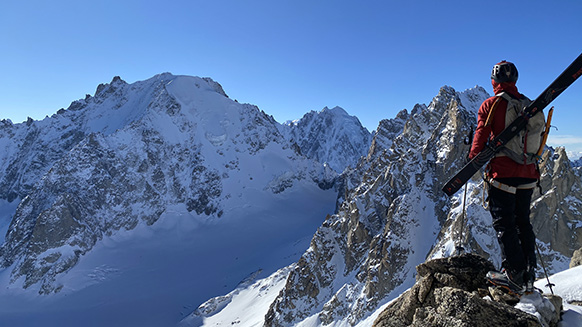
504, 72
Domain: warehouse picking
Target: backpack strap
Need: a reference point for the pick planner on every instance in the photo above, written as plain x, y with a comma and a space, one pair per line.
505, 95
492, 112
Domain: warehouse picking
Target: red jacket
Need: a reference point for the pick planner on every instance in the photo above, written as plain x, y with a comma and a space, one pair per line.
499, 167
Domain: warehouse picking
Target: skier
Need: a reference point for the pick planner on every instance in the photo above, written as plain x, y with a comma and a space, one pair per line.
511, 176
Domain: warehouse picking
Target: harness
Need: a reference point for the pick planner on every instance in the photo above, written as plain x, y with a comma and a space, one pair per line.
511, 189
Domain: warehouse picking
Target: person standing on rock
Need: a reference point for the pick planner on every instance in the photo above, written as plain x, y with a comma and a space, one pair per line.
511, 175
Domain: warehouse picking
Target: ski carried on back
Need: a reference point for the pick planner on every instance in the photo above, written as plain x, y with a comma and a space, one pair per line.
551, 92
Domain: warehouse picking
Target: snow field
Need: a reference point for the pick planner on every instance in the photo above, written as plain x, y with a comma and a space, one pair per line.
157, 275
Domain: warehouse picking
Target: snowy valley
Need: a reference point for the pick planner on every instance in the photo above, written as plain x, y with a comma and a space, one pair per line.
165, 203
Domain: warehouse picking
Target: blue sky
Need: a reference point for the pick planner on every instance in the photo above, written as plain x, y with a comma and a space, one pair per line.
373, 58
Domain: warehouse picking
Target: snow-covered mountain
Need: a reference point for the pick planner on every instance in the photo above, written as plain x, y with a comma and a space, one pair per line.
330, 136
164, 201
149, 163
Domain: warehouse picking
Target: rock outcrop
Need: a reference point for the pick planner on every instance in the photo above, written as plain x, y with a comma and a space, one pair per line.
576, 258
452, 292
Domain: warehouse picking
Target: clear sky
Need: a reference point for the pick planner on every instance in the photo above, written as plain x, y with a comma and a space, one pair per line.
373, 58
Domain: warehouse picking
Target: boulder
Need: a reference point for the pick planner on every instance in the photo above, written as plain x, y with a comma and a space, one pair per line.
452, 292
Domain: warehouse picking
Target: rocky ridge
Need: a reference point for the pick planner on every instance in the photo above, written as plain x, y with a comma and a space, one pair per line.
452, 292
393, 216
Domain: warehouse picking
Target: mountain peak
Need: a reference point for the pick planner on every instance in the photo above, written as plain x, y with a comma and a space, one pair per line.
335, 110
320, 135
108, 88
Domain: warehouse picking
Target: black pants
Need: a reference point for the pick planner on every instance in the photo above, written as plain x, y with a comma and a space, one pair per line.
510, 213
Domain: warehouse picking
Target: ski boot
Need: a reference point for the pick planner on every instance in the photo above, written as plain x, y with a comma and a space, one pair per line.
529, 277
506, 281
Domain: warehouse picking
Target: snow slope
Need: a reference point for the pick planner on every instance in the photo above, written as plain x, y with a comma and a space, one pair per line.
155, 275
568, 285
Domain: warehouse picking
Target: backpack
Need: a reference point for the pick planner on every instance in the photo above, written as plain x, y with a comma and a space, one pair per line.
524, 146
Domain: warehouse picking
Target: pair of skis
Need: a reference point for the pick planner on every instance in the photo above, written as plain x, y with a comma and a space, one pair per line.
551, 92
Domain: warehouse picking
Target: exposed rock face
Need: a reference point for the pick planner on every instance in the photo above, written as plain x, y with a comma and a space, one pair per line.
446, 294
388, 130
556, 214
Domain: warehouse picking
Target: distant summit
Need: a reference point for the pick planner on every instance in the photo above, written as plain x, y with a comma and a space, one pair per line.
330, 136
